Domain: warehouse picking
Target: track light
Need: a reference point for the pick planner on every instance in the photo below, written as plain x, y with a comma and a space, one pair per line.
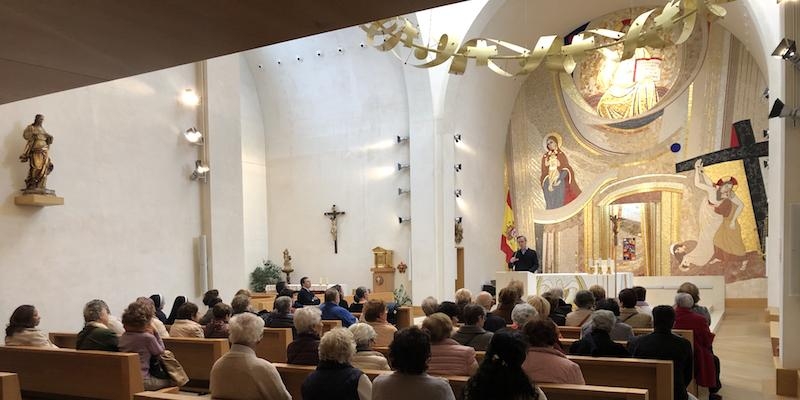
779, 110
787, 50
404, 220
401, 139
401, 191
194, 136
458, 192
459, 220
457, 137
200, 171
401, 167
458, 167
190, 98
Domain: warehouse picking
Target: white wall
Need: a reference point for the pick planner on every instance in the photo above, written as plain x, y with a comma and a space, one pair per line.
130, 211
330, 124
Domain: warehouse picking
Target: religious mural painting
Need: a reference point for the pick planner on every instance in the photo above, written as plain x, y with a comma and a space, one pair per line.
558, 181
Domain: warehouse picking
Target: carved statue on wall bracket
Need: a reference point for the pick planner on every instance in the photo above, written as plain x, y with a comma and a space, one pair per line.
37, 155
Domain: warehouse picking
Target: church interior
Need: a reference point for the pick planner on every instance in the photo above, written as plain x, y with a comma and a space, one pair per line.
406, 147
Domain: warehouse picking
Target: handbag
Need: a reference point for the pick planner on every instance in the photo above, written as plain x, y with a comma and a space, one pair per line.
166, 366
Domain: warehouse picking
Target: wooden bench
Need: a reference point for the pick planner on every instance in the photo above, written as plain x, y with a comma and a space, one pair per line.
159, 395
197, 356
66, 372
293, 377
273, 346
328, 324
9, 386
64, 340
653, 375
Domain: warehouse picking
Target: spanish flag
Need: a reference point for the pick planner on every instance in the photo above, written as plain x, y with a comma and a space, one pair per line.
508, 239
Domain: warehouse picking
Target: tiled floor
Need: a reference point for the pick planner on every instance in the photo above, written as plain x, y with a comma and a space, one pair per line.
743, 346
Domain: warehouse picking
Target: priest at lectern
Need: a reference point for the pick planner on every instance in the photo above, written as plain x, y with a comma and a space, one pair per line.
524, 259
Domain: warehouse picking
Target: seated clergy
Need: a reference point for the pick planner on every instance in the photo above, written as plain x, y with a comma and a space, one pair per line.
472, 333
95, 334
629, 314
599, 343
219, 326
305, 296
281, 316
239, 374
185, 324
706, 364
545, 364
584, 300
621, 331
335, 378
493, 322
304, 349
410, 353
662, 344
447, 356
22, 331
158, 303
366, 358
331, 310
375, 316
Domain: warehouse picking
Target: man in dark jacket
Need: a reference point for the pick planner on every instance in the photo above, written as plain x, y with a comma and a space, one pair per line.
599, 343
524, 259
281, 317
472, 333
662, 344
305, 296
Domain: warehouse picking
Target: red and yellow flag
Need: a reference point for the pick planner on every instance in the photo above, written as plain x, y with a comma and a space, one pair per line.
508, 239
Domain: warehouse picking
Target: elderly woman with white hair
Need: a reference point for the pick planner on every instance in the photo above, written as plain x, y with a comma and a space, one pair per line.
599, 343
521, 314
304, 349
240, 374
95, 334
366, 358
335, 377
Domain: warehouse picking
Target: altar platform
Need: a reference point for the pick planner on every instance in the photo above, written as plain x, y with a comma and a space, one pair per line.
570, 282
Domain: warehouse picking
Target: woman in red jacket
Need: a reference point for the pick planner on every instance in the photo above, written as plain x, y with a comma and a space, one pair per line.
706, 370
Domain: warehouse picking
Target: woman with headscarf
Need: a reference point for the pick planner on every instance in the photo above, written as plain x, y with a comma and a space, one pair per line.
179, 301
159, 305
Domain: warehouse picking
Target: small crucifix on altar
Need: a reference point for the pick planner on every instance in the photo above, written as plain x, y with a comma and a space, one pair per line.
332, 215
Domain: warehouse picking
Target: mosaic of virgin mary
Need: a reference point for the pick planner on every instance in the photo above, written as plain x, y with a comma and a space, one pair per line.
558, 178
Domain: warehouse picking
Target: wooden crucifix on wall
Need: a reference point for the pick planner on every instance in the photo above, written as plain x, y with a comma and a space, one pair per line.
333, 214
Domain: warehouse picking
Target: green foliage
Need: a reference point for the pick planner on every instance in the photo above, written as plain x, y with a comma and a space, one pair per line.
401, 297
268, 273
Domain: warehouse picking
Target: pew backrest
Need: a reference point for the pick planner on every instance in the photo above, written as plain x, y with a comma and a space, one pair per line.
653, 375
405, 317
9, 386
196, 355
66, 372
153, 395
328, 324
272, 346
64, 340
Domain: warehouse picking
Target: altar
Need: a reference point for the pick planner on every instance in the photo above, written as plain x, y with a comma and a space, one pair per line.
315, 287
570, 282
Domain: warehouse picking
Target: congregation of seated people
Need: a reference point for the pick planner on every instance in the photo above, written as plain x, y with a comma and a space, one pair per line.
520, 338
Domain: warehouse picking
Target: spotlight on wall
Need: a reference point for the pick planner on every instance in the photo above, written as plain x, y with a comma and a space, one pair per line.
457, 137
190, 98
404, 220
194, 136
401, 139
401, 191
459, 220
787, 50
779, 110
200, 171
458, 167
765, 133
458, 192
401, 167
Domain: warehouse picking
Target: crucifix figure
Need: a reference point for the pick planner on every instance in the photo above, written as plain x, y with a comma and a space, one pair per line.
332, 215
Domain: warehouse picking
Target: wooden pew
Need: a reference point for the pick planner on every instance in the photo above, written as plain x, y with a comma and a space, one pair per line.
273, 346
294, 375
169, 396
64, 340
328, 324
653, 375
75, 373
197, 356
9, 386
405, 317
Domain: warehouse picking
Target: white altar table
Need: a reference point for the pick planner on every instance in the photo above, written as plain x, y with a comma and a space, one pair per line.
315, 287
570, 282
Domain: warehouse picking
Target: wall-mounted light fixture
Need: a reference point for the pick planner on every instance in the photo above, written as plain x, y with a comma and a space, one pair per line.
457, 192
458, 167
194, 136
401, 139
401, 191
779, 110
404, 220
200, 171
787, 50
401, 167
457, 137
765, 133
189, 98
459, 220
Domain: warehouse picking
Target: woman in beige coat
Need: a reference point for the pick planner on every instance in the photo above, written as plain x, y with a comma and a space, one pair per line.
365, 357
21, 330
186, 323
